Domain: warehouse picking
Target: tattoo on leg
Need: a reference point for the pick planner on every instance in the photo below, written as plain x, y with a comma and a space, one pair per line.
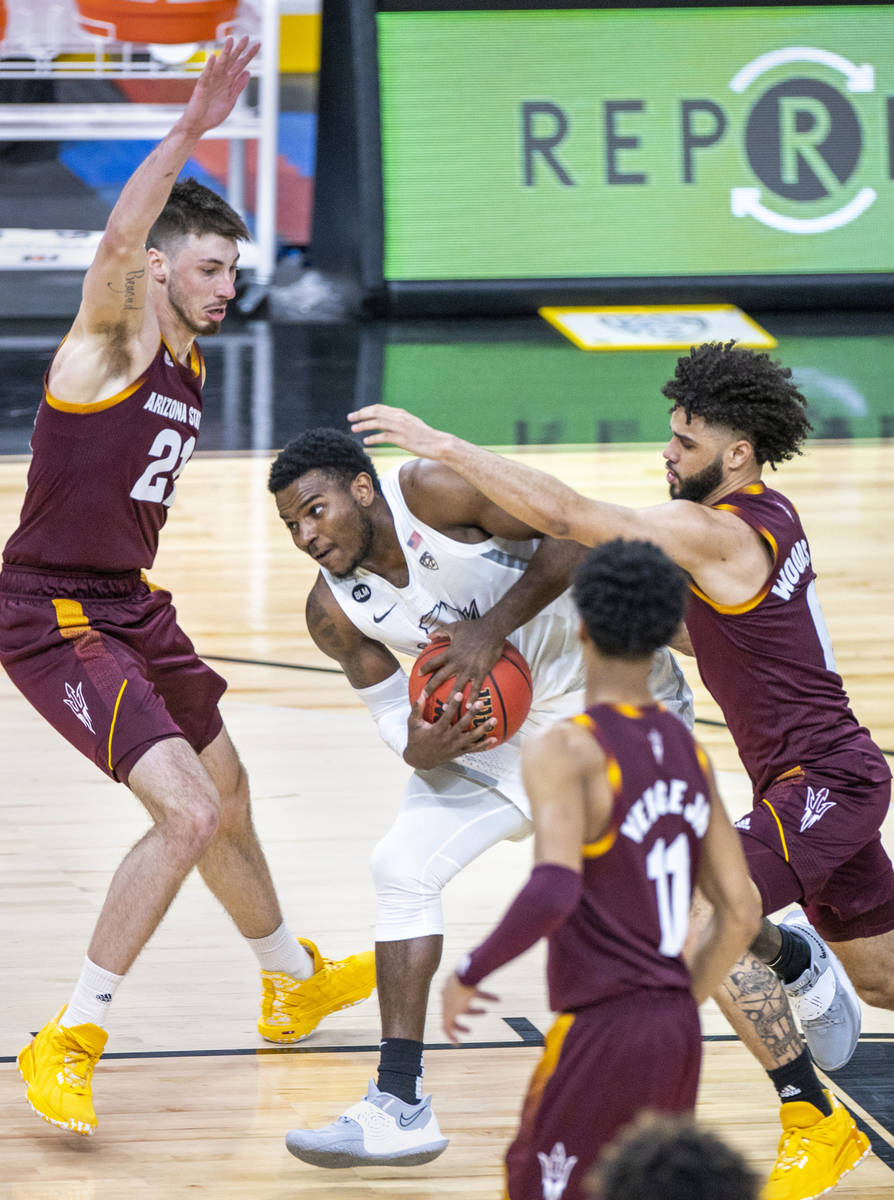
758, 996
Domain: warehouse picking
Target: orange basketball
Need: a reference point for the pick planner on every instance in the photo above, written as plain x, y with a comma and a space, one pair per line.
506, 690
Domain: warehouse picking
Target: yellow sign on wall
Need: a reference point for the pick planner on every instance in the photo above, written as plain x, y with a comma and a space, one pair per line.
657, 326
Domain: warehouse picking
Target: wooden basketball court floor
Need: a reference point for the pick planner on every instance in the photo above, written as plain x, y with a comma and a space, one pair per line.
190, 1101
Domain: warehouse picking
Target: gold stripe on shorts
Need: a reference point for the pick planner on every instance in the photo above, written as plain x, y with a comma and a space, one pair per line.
70, 617
778, 826
114, 719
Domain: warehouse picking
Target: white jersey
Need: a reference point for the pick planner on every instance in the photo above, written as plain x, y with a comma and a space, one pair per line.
456, 581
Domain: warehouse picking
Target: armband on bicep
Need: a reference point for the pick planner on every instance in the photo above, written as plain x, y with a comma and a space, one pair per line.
389, 705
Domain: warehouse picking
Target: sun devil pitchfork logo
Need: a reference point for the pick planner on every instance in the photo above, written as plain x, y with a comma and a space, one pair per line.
555, 1171
74, 698
815, 807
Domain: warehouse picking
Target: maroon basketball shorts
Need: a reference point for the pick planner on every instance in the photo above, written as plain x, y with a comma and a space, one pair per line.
104, 661
814, 838
601, 1067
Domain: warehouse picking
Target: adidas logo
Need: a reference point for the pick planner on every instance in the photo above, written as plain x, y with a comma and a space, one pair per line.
789, 1092
105, 997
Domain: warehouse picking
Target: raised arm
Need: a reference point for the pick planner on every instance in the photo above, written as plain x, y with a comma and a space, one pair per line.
540, 501
114, 308
705, 542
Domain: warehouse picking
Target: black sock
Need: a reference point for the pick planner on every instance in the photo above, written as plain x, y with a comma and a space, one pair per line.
793, 958
797, 1081
400, 1068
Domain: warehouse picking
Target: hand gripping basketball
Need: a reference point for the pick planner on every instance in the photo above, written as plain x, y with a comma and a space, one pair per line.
506, 691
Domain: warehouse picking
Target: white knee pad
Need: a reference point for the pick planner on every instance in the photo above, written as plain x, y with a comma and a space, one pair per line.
446, 820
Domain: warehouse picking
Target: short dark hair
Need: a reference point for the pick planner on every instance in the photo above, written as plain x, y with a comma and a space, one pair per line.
193, 208
631, 598
329, 450
745, 391
670, 1158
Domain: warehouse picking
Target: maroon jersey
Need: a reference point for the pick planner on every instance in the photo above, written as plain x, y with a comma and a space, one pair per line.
768, 662
102, 476
627, 932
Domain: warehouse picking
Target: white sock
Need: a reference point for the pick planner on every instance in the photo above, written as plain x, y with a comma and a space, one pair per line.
280, 951
92, 998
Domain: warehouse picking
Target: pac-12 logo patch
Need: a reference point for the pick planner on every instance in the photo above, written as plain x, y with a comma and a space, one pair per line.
428, 561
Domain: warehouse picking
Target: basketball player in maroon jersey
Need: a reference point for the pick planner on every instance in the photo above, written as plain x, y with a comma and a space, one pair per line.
626, 821
821, 785
96, 649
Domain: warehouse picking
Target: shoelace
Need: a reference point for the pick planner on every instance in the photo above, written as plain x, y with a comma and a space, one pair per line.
77, 1067
372, 1118
791, 1154
285, 986
282, 987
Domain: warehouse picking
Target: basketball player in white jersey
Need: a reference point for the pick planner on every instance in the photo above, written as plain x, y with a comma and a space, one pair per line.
417, 554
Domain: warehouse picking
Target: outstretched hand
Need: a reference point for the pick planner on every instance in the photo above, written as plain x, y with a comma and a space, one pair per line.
457, 999
399, 428
221, 83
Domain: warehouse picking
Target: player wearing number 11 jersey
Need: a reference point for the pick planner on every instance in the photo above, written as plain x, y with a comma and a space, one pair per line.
626, 822
97, 650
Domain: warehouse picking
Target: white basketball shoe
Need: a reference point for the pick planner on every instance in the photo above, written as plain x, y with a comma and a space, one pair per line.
380, 1130
824, 1001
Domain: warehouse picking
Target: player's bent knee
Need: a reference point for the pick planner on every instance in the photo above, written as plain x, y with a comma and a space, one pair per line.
191, 826
396, 868
408, 896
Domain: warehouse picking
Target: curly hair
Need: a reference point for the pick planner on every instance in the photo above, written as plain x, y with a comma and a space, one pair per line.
673, 1158
192, 208
736, 387
631, 598
329, 450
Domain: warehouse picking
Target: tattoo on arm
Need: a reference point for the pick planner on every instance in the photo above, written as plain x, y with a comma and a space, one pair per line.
129, 290
323, 629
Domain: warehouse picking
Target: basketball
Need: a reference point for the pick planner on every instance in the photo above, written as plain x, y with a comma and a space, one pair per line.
506, 690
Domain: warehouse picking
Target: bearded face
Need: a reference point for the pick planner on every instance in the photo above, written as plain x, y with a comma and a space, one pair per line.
699, 486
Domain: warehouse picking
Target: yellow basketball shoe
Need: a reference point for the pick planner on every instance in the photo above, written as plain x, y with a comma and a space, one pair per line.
57, 1065
292, 1008
814, 1151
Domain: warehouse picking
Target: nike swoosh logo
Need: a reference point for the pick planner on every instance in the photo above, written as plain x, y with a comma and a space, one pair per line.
378, 619
412, 1121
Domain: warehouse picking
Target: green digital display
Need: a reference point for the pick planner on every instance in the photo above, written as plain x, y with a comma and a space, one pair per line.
538, 393
637, 142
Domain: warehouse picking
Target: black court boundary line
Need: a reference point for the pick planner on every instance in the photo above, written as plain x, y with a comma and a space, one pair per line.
260, 662
528, 1035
